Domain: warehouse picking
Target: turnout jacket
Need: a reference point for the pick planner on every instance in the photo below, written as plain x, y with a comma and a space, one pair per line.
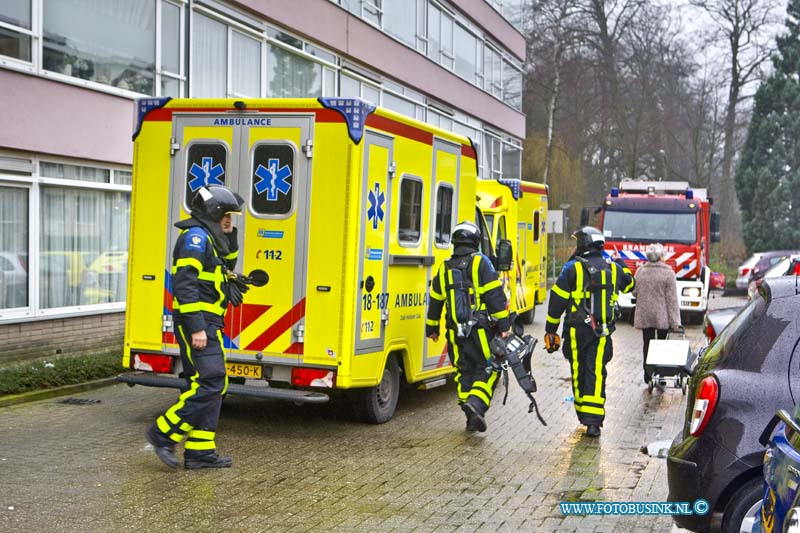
489, 295
571, 288
198, 277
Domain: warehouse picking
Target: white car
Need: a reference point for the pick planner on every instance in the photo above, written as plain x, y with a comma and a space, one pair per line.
745, 270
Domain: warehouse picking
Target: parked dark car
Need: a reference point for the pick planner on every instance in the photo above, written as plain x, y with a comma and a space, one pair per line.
743, 378
716, 320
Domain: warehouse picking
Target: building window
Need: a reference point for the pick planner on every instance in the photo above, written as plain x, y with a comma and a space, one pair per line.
110, 42
400, 20
245, 66
15, 29
13, 247
512, 86
410, 219
512, 156
466, 53
171, 67
292, 76
444, 214
209, 57
83, 246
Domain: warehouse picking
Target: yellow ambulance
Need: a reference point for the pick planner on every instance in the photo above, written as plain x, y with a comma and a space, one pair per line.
349, 209
516, 210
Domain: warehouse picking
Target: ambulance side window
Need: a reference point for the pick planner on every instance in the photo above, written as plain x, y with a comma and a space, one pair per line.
501, 230
206, 164
410, 219
272, 179
444, 214
536, 225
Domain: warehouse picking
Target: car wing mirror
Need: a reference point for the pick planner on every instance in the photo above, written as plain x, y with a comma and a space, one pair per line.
258, 278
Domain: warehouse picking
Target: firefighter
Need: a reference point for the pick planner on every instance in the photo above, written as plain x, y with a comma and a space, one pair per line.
468, 276
587, 289
203, 259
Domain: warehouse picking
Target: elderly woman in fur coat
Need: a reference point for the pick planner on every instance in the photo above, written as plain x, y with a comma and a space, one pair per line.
656, 294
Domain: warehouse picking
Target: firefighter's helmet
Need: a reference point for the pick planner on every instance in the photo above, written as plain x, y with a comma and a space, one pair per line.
467, 233
217, 201
588, 238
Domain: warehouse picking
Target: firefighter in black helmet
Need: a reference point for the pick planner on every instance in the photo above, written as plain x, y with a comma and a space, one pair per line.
476, 310
587, 290
204, 256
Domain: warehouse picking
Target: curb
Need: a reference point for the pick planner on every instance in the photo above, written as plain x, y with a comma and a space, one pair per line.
25, 397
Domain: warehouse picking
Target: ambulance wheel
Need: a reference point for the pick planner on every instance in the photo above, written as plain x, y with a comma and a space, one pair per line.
527, 317
376, 405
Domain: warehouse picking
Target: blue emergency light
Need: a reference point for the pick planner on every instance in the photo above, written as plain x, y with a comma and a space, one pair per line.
614, 192
689, 194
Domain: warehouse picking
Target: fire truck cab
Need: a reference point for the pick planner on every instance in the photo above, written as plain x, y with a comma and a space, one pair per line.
639, 213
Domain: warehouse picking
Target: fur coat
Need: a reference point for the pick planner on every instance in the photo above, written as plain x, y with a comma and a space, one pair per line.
656, 294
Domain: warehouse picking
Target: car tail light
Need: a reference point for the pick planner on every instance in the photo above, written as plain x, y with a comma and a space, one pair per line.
152, 362
313, 377
744, 271
704, 404
710, 333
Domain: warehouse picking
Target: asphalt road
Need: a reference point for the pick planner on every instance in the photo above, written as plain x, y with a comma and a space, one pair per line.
87, 466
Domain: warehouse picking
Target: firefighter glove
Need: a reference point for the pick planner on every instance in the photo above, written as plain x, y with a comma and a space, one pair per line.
235, 293
552, 342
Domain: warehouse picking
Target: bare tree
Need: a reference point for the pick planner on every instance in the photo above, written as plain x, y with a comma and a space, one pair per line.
742, 27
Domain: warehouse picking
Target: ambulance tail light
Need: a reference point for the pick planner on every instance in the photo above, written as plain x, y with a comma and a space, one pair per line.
152, 362
497, 202
704, 404
313, 377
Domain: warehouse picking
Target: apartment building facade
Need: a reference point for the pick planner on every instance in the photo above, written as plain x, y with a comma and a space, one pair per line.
71, 70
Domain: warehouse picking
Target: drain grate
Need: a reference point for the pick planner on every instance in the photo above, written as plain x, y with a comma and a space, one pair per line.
78, 401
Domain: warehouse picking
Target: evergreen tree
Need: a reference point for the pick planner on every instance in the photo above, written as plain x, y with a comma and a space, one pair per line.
768, 179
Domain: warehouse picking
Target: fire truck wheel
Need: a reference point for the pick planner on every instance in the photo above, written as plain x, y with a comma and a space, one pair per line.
376, 405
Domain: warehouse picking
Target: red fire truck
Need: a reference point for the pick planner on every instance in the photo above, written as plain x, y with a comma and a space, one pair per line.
639, 213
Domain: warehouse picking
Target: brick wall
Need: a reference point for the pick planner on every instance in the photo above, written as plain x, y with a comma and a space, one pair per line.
78, 335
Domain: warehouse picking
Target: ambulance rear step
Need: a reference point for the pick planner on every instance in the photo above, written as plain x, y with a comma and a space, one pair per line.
288, 395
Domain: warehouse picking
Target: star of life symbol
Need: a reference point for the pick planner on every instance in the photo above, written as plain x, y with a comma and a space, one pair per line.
206, 173
375, 211
273, 179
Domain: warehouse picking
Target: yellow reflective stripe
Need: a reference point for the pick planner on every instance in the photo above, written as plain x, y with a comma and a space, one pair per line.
208, 276
500, 314
163, 425
603, 296
232, 255
452, 296
187, 262
553, 320
578, 294
185, 427
560, 292
487, 353
175, 437
202, 445
480, 394
573, 344
201, 434
485, 387
598, 366
224, 357
214, 308
590, 410
476, 264
173, 418
489, 286
436, 296
431, 322
594, 399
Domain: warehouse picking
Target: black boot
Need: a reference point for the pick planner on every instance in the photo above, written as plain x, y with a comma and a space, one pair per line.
475, 420
209, 460
592, 430
165, 453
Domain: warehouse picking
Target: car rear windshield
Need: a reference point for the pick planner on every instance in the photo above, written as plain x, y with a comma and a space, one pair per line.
734, 330
750, 261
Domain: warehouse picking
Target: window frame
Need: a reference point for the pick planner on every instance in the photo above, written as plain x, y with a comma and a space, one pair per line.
416, 179
439, 188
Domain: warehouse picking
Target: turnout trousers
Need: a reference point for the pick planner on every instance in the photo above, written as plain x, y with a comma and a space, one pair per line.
588, 356
196, 413
470, 356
